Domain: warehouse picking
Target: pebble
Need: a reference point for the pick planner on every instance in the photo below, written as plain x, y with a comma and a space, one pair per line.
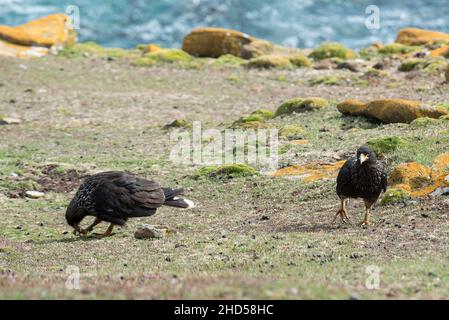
34, 194
7, 120
147, 231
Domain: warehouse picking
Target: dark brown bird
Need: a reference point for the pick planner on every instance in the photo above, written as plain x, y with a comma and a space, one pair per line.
363, 177
115, 196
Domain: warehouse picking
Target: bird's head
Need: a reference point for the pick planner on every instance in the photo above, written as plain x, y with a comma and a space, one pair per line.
74, 215
366, 156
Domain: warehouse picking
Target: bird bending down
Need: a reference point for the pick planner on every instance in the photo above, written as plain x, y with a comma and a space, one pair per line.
363, 177
115, 196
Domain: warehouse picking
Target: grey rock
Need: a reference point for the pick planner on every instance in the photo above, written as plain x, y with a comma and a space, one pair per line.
147, 231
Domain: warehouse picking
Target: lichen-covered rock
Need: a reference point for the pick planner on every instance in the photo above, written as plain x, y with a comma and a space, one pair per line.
36, 37
228, 60
178, 123
301, 105
280, 61
400, 110
397, 48
439, 52
394, 196
311, 172
215, 42
415, 36
92, 49
410, 64
424, 122
291, 132
228, 171
332, 49
384, 146
352, 107
164, 56
440, 165
413, 177
255, 120
256, 48
152, 48
270, 61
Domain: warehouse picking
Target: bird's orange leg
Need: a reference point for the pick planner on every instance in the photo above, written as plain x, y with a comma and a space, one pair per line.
107, 233
368, 204
342, 212
91, 227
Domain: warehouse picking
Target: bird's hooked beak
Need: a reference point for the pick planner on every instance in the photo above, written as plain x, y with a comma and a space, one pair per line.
363, 157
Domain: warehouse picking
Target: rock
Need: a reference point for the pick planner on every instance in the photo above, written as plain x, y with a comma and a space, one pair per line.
255, 119
394, 196
346, 65
300, 105
352, 107
400, 110
332, 49
214, 42
6, 120
178, 123
34, 194
325, 64
37, 37
439, 52
440, 165
151, 48
163, 56
311, 172
270, 61
256, 48
147, 231
415, 36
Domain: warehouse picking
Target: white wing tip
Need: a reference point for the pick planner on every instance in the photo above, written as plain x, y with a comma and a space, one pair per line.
190, 203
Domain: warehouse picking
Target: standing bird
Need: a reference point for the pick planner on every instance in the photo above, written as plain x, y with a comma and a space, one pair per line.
363, 177
115, 196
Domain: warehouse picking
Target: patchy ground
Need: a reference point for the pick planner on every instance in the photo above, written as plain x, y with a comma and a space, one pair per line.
249, 237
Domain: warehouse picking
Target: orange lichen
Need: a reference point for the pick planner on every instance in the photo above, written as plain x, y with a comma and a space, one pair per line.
415, 36
439, 52
311, 172
420, 180
299, 142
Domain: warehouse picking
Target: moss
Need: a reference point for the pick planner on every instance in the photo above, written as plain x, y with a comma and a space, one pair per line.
411, 64
178, 123
254, 120
301, 105
326, 80
435, 65
397, 48
228, 60
332, 49
394, 196
228, 171
270, 61
444, 118
291, 132
164, 56
384, 146
424, 122
299, 60
92, 49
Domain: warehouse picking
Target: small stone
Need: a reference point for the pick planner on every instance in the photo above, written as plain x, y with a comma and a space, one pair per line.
7, 120
19, 227
34, 194
147, 231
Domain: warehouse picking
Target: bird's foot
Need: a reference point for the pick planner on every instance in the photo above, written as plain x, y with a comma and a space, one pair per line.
343, 216
364, 223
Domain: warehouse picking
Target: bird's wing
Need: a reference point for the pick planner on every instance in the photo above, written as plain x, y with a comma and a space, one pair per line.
384, 178
344, 175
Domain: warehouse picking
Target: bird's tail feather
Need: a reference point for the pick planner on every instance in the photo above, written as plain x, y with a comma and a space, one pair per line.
172, 199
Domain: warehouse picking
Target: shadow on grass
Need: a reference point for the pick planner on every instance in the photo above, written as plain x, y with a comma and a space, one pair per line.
69, 240
312, 227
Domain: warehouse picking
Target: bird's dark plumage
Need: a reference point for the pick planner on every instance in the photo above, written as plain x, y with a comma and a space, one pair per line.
115, 196
363, 177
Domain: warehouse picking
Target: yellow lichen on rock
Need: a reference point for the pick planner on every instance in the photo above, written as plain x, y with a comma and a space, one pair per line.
152, 48
214, 42
311, 172
439, 52
400, 110
415, 36
420, 180
36, 37
352, 107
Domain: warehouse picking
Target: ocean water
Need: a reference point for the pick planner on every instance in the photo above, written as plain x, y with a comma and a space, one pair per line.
295, 23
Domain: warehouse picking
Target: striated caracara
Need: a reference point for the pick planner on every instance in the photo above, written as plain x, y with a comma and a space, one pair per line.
115, 196
363, 177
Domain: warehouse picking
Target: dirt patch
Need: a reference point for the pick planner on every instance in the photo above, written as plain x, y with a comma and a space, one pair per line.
58, 180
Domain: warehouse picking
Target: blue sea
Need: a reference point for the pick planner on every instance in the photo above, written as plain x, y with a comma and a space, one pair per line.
294, 23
